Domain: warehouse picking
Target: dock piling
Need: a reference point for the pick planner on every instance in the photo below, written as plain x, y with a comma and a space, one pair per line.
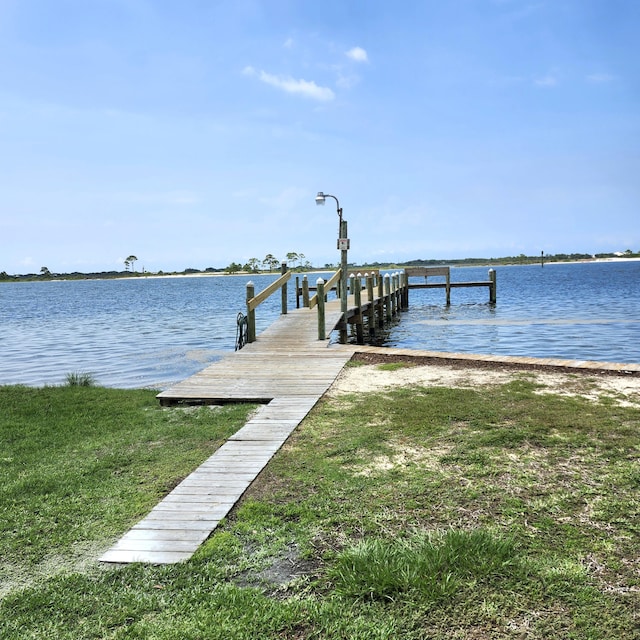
283, 289
371, 308
387, 297
305, 291
357, 292
322, 333
251, 313
380, 304
493, 286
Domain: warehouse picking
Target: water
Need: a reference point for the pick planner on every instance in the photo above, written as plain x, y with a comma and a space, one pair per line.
584, 311
153, 332
142, 332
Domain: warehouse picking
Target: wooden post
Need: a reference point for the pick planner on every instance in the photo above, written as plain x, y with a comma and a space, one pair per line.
305, 292
492, 286
380, 301
251, 314
357, 292
387, 297
322, 334
448, 286
371, 308
394, 290
283, 270
406, 290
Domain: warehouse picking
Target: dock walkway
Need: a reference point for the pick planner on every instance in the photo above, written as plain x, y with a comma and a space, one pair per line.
289, 369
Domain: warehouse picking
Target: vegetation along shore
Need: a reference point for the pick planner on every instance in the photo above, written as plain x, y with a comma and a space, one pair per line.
298, 262
415, 501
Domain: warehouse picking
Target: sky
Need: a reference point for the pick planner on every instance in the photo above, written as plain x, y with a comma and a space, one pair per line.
197, 133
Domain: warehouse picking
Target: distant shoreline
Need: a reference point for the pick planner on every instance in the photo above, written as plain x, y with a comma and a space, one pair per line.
586, 261
68, 277
461, 266
381, 268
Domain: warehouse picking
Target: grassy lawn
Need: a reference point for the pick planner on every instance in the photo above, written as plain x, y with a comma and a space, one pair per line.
81, 464
416, 513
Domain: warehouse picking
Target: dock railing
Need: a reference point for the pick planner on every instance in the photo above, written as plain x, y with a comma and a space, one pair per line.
334, 280
385, 297
447, 285
253, 300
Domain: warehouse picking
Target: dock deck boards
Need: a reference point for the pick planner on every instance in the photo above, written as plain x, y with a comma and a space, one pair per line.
287, 367
287, 359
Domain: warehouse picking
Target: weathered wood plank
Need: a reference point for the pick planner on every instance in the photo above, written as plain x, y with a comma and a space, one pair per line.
286, 367
166, 535
124, 556
196, 521
143, 544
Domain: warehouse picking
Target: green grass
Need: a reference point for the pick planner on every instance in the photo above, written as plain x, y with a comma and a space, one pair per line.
394, 366
80, 464
419, 513
428, 566
78, 379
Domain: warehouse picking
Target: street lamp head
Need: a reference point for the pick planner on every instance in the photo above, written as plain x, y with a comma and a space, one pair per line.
320, 199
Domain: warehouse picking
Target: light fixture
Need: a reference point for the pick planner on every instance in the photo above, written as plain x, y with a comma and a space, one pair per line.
343, 246
320, 199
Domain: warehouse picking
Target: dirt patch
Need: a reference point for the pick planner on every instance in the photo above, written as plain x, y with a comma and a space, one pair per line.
285, 568
369, 376
84, 559
401, 456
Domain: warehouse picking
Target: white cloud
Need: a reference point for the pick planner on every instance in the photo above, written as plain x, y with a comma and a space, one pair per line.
599, 78
546, 81
288, 43
166, 198
306, 88
289, 198
358, 54
347, 82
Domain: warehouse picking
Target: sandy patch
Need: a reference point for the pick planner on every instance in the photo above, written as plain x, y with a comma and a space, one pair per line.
374, 377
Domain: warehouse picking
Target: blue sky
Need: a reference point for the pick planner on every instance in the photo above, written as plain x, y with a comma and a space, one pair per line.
196, 133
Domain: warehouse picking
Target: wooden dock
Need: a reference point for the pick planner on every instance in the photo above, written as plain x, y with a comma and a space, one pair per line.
286, 360
289, 368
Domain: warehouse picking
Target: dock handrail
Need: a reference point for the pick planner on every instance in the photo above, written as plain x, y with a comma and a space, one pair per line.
313, 301
448, 285
253, 301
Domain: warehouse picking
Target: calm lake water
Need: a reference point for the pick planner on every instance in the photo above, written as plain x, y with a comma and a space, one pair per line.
153, 332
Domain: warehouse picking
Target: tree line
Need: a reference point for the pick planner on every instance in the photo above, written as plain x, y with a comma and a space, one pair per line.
295, 261
298, 262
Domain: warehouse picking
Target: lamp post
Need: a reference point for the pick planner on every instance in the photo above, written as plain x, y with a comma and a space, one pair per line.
343, 247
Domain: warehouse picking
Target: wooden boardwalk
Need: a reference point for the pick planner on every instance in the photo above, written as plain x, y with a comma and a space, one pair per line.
289, 369
287, 359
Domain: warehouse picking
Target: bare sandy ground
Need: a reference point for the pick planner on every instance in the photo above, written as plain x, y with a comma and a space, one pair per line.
624, 390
